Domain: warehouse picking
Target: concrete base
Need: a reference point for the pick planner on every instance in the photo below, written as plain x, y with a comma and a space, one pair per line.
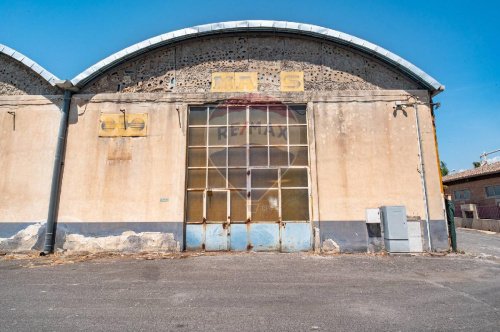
351, 236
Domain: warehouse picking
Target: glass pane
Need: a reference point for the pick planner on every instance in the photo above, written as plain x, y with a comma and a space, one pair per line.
294, 177
497, 190
217, 116
298, 156
197, 157
217, 136
297, 114
194, 211
217, 206
265, 205
217, 178
237, 115
237, 177
295, 204
197, 136
490, 191
237, 136
238, 205
197, 116
217, 157
196, 178
298, 134
258, 115
264, 178
237, 157
278, 156
258, 156
277, 114
258, 135
277, 135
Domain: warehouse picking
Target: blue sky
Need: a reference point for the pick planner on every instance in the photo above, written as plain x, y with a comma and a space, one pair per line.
456, 42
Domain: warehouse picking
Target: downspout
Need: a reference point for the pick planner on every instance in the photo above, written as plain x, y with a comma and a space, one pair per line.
422, 177
55, 189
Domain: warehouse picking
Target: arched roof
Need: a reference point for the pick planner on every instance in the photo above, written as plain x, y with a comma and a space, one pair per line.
265, 26
35, 67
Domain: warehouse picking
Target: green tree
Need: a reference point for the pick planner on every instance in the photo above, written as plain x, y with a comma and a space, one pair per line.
476, 164
444, 169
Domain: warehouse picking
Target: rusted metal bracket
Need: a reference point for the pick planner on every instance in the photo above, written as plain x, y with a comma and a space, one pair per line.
124, 119
13, 119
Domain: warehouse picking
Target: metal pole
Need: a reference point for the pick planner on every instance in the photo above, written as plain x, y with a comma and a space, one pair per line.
50, 233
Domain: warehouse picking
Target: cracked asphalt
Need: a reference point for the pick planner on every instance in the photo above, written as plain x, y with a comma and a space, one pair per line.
254, 292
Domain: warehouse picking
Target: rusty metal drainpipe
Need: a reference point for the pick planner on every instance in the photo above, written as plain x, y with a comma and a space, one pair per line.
422, 176
50, 233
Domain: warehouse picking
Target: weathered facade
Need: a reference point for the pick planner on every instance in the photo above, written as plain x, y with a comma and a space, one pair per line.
250, 135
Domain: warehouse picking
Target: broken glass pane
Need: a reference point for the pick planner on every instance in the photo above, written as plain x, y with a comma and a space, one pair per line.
197, 136
197, 116
298, 134
264, 178
217, 136
258, 135
258, 156
216, 178
196, 178
298, 156
265, 205
294, 177
194, 211
237, 177
237, 157
216, 205
258, 115
217, 116
197, 157
217, 157
237, 115
295, 204
238, 206
278, 156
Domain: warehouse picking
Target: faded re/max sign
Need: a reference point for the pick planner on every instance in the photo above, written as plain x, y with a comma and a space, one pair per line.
248, 82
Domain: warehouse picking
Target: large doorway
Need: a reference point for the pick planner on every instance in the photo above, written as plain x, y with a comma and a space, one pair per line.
248, 178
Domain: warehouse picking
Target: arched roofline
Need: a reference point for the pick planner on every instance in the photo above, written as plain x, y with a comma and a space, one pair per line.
257, 25
28, 63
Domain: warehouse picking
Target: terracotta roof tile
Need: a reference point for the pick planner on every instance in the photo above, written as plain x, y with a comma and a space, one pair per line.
481, 170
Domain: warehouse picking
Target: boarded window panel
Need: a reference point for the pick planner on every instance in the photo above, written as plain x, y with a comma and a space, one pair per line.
265, 205
258, 135
217, 178
197, 157
194, 211
198, 116
237, 115
278, 135
298, 134
277, 114
297, 114
217, 157
237, 177
217, 136
197, 136
196, 178
264, 178
238, 206
294, 177
258, 115
237, 136
278, 156
237, 156
217, 206
295, 204
298, 155
258, 156
217, 116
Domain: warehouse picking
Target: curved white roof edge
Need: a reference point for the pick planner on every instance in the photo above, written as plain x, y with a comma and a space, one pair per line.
258, 25
18, 56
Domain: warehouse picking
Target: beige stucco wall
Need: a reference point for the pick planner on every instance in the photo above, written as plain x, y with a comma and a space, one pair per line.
124, 179
27, 156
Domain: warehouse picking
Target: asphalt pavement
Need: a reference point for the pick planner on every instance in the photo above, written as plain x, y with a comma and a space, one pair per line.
252, 292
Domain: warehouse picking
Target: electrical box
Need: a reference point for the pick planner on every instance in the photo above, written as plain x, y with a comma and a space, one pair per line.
395, 228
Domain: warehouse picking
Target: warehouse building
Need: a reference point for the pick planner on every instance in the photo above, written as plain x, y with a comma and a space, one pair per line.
249, 135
